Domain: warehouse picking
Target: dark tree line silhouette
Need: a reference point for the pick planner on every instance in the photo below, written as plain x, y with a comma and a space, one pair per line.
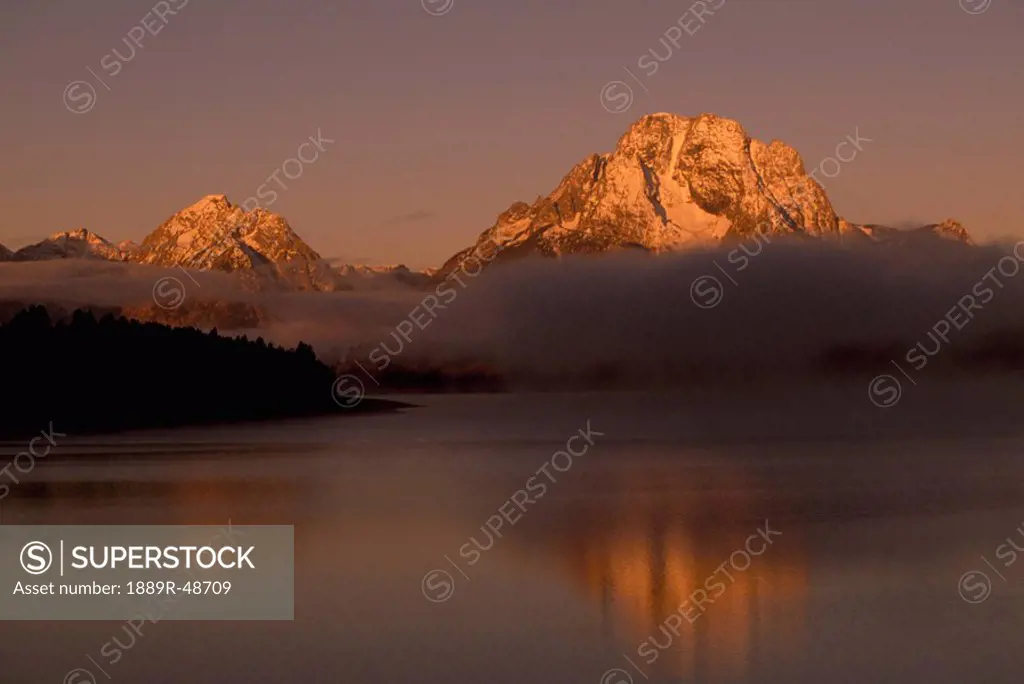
112, 374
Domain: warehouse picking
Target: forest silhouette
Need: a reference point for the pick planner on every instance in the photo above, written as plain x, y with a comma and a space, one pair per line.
91, 376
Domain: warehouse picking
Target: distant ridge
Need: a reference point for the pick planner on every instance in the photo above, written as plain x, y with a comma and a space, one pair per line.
74, 244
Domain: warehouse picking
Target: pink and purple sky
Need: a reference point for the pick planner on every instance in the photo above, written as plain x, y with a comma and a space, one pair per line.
444, 112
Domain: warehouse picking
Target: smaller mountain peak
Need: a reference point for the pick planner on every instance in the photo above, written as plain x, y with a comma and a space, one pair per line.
953, 230
83, 234
78, 243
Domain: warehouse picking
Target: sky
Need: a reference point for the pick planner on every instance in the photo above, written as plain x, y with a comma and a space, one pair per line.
442, 113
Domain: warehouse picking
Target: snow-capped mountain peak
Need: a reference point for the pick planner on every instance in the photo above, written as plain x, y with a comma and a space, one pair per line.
671, 183
211, 234
214, 234
72, 244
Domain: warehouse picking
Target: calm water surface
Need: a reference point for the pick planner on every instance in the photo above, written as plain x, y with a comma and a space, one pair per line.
880, 516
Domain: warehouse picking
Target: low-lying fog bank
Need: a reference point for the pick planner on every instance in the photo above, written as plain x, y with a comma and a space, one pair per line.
756, 310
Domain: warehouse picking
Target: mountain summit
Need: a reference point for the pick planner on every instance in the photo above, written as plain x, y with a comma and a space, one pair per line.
72, 244
211, 235
215, 235
672, 182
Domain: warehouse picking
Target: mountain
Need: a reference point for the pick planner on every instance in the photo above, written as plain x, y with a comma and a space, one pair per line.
215, 235
383, 277
210, 235
75, 244
5, 254
672, 182
948, 230
128, 247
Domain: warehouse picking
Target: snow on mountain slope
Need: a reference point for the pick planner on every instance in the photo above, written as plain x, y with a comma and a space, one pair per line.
75, 244
215, 235
210, 235
949, 230
671, 183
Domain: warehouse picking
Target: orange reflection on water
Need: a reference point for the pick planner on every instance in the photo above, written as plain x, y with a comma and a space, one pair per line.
643, 570
673, 558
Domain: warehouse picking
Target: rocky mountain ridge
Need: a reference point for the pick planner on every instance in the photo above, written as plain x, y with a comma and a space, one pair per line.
947, 230
73, 244
673, 183
215, 235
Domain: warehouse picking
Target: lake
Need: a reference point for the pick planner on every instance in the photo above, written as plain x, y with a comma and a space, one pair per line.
789, 536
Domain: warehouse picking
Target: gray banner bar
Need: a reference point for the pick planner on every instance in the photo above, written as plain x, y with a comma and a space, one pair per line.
153, 573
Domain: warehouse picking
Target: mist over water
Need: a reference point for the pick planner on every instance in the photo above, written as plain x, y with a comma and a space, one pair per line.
755, 308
